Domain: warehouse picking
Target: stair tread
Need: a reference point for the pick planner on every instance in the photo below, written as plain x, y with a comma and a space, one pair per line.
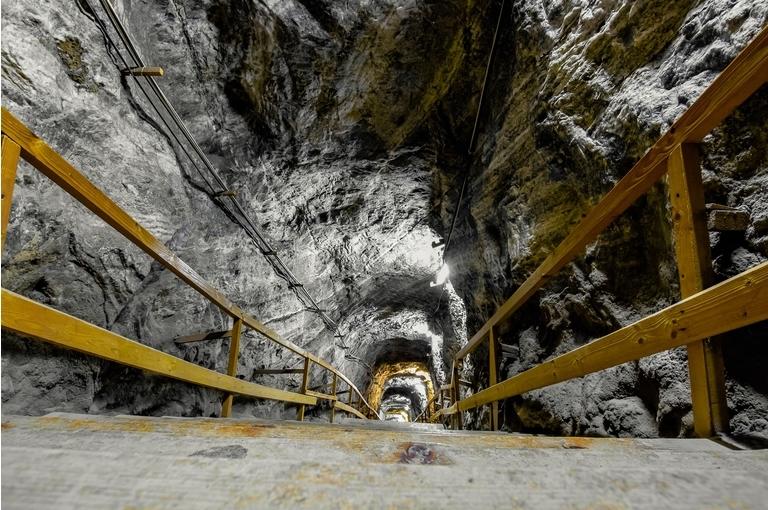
91, 461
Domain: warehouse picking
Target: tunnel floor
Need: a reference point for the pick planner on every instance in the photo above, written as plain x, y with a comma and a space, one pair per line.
88, 461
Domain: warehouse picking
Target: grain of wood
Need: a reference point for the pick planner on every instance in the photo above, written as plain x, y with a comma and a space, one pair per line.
694, 267
88, 462
10, 162
234, 354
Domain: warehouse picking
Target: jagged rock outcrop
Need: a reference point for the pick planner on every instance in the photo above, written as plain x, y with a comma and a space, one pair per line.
344, 128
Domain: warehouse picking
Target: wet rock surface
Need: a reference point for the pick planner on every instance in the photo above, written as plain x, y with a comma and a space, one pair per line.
343, 127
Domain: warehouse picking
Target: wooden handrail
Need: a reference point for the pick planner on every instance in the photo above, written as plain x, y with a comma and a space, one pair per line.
338, 404
734, 303
27, 317
745, 75
20, 138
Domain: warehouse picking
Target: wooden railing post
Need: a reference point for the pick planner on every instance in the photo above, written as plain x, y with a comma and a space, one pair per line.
333, 392
10, 162
694, 265
234, 353
457, 395
492, 376
304, 387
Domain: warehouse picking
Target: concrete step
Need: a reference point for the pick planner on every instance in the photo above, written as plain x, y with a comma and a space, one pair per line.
87, 461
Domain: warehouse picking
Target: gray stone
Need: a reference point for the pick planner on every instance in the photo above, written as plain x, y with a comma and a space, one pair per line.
344, 126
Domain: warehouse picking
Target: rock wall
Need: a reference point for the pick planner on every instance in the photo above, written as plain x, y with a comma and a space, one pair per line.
292, 102
580, 91
344, 128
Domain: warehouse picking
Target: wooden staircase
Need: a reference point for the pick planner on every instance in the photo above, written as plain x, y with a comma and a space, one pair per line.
94, 461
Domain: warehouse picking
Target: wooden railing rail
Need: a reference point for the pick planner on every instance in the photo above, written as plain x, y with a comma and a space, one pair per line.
24, 316
734, 303
675, 152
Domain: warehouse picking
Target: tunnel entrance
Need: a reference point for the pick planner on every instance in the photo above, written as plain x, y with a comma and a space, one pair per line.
401, 391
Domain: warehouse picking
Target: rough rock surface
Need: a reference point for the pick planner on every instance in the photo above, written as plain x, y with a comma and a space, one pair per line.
344, 126
581, 89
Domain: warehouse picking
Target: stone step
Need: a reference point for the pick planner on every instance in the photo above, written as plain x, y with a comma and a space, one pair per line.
87, 461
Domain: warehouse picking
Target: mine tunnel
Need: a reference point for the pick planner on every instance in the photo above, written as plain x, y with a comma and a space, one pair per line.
384, 254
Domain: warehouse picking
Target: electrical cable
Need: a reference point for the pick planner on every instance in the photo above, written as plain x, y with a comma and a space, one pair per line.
238, 215
471, 146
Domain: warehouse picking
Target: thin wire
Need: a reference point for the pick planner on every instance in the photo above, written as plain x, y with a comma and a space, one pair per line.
471, 146
239, 214
105, 32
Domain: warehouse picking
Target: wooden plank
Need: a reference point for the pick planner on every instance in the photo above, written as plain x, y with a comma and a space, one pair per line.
446, 411
304, 384
458, 418
747, 72
277, 371
349, 409
691, 240
336, 396
492, 377
91, 462
10, 162
234, 353
200, 337
144, 71
688, 220
737, 302
321, 396
27, 317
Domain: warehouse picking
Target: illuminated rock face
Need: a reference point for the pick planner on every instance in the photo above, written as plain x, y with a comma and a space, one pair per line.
344, 126
403, 388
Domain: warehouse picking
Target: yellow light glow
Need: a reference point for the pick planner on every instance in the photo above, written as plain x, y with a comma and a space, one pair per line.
387, 371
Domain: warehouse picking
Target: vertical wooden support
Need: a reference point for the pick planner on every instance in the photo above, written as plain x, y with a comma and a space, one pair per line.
333, 392
234, 353
457, 396
694, 264
304, 386
492, 376
10, 162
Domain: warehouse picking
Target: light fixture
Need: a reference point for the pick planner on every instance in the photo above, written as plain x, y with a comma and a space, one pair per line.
441, 276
